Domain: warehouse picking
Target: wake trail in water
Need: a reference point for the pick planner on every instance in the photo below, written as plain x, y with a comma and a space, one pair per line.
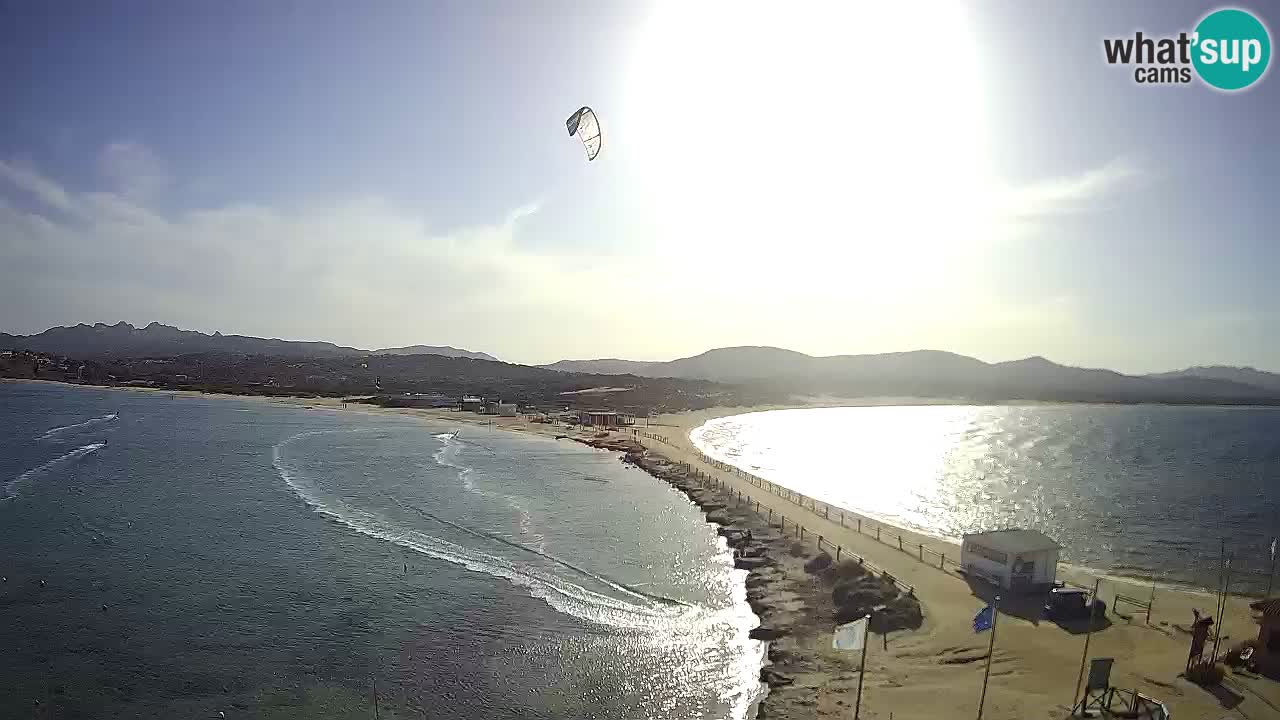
560, 594
91, 422
627, 589
464, 475
10, 489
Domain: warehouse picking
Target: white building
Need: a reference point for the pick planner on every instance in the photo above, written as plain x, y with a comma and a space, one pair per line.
506, 409
1015, 559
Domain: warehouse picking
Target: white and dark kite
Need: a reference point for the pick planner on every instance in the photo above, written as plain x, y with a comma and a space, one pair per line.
584, 124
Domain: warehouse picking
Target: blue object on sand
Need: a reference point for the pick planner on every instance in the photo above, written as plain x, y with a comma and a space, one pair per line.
982, 621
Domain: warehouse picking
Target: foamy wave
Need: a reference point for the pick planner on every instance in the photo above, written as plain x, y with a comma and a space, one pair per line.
557, 592
11, 488
54, 432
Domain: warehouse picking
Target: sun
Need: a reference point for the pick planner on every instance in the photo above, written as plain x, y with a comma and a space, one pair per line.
841, 132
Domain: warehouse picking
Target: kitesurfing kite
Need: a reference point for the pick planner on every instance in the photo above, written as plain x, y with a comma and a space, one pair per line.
583, 123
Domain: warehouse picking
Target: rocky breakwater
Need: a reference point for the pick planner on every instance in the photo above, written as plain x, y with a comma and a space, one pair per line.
800, 593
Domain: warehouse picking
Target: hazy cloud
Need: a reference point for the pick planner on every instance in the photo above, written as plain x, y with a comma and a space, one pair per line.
356, 270
132, 169
1075, 193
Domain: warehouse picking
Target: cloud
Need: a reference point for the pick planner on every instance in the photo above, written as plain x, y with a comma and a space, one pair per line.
132, 169
1071, 194
357, 270
27, 180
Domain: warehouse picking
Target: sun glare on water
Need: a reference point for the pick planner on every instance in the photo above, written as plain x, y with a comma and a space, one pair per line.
845, 133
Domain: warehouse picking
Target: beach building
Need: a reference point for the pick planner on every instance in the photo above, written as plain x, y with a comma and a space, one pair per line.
1266, 652
506, 409
471, 403
1015, 559
605, 418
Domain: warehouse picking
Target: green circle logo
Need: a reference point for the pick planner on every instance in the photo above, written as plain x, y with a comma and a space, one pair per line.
1232, 49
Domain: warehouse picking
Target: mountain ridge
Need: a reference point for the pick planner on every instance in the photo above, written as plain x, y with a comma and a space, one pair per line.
124, 339
919, 373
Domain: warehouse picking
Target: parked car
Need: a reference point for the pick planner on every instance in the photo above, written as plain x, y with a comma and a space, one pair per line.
1064, 604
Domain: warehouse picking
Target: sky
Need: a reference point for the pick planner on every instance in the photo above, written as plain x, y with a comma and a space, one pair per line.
828, 177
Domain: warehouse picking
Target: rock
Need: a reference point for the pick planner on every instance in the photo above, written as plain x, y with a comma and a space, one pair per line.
818, 563
751, 563
901, 613
846, 570
719, 517
766, 634
798, 549
773, 678
756, 581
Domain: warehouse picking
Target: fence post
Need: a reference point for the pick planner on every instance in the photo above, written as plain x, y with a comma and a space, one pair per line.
942, 562
799, 531
900, 543
921, 552
877, 533
859, 526
819, 542
838, 553
770, 516
826, 512
841, 518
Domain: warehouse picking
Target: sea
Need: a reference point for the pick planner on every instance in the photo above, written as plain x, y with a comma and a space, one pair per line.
171, 555
1154, 492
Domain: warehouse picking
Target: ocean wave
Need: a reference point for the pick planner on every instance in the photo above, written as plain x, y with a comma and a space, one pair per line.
91, 422
10, 489
562, 595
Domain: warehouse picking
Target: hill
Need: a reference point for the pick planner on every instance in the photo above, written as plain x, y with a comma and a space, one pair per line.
125, 340
443, 350
604, 366
933, 373
1246, 375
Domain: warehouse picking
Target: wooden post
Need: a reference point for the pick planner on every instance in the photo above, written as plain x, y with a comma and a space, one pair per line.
826, 512
770, 516
899, 543
859, 526
942, 562
841, 518
838, 549
1152, 600
921, 552
877, 533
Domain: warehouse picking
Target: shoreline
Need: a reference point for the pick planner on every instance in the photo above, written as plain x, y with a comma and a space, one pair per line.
936, 670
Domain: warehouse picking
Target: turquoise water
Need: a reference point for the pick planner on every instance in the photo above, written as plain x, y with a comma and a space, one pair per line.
271, 561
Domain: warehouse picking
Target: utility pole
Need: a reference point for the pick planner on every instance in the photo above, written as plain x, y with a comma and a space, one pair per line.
1084, 657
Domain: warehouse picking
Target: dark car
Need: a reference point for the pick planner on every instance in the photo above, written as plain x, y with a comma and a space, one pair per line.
1072, 604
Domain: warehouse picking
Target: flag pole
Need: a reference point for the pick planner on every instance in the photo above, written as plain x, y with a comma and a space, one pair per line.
1222, 612
1272, 575
1085, 655
995, 619
862, 666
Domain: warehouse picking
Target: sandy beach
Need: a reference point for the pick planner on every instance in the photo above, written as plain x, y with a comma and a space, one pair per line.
937, 669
